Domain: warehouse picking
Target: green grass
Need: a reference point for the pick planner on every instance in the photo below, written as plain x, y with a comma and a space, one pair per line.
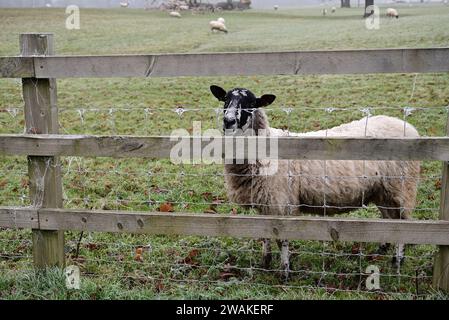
201, 267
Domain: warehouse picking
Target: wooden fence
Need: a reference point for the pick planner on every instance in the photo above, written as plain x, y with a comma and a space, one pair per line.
38, 68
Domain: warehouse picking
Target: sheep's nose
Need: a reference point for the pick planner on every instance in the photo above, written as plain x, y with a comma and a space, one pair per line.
229, 123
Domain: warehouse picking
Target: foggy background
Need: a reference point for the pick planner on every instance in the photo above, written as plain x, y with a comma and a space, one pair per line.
261, 4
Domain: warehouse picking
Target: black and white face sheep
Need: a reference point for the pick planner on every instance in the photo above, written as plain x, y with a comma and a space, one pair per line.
239, 107
289, 187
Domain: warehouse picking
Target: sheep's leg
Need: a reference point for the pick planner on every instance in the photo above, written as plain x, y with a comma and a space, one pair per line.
266, 253
285, 258
399, 258
387, 213
395, 211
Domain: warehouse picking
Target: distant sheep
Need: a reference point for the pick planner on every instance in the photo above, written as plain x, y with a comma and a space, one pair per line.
124, 4
216, 25
276, 7
175, 14
392, 13
324, 12
333, 9
184, 7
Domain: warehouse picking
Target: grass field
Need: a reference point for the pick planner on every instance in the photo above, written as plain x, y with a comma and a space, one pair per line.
200, 267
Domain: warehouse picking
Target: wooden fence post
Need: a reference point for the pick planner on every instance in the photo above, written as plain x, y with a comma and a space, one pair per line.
441, 267
41, 117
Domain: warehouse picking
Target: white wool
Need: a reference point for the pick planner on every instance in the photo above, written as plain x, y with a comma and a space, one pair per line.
222, 20
376, 126
391, 12
175, 14
217, 25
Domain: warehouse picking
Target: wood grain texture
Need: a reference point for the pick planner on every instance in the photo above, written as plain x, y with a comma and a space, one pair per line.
41, 117
306, 228
298, 227
14, 218
233, 64
331, 148
441, 265
16, 67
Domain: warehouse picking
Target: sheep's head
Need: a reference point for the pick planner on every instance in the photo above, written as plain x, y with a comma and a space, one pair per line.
239, 107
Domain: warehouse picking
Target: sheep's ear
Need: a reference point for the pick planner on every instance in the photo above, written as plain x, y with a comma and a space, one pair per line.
265, 100
218, 93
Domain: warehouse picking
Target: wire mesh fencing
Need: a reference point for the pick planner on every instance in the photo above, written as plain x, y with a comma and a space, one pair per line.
220, 265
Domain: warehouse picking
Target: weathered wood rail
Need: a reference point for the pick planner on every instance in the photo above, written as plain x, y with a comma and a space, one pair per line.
157, 147
38, 68
301, 227
224, 64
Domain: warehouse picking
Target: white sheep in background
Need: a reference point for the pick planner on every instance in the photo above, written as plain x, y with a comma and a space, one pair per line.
392, 13
333, 9
175, 14
324, 12
184, 7
124, 4
276, 7
216, 25
291, 187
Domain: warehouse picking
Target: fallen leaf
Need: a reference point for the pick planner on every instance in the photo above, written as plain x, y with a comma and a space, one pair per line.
24, 182
3, 183
190, 257
166, 207
138, 255
159, 286
355, 249
91, 246
438, 184
207, 195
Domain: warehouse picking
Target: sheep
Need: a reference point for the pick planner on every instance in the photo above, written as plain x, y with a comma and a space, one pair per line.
324, 12
333, 9
276, 7
298, 185
222, 20
392, 13
218, 25
184, 7
124, 4
175, 14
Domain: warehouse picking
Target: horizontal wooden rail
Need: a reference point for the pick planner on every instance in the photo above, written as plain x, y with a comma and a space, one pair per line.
317, 148
304, 227
14, 217
230, 64
16, 67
